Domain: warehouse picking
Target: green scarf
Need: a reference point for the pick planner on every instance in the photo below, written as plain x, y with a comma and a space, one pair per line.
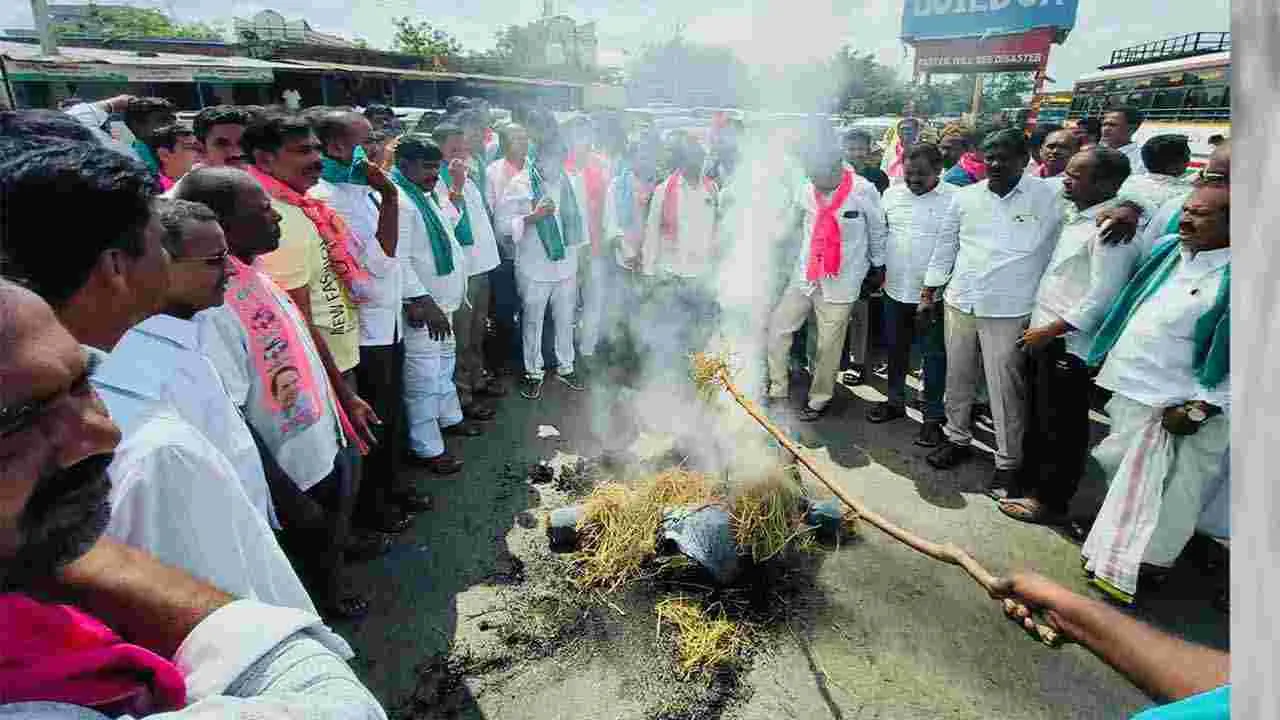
353, 174
549, 231
147, 155
440, 249
463, 229
1212, 335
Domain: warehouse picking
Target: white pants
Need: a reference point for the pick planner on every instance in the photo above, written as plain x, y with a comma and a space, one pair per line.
986, 346
595, 290
534, 297
431, 398
832, 320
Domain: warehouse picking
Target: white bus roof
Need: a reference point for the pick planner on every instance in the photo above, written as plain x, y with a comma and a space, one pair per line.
1156, 68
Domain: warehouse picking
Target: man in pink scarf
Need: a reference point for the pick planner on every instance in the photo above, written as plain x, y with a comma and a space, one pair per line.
842, 257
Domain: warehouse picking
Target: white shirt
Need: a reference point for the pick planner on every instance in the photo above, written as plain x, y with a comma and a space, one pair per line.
1133, 151
691, 255
420, 276
483, 253
359, 206
863, 235
496, 177
1083, 279
919, 227
531, 258
174, 495
1157, 227
251, 661
1153, 190
1152, 361
1002, 248
92, 116
308, 456
1055, 181
166, 350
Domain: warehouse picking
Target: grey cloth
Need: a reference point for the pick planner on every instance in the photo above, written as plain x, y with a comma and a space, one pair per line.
300, 679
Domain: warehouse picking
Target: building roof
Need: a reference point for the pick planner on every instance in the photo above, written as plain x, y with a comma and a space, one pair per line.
24, 62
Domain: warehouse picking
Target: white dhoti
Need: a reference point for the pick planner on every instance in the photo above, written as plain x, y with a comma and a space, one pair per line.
431, 398
535, 295
1159, 485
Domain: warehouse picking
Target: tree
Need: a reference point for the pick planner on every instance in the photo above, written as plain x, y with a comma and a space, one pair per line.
1007, 90
424, 40
116, 22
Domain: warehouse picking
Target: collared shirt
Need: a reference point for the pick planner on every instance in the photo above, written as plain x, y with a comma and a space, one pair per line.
920, 226
176, 496
531, 258
496, 178
420, 276
691, 254
360, 207
251, 661
166, 350
863, 235
1133, 151
302, 261
1002, 248
307, 456
1152, 361
1153, 190
482, 256
1083, 279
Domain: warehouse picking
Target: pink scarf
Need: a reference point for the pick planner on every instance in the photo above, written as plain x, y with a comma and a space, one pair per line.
57, 653
595, 181
824, 244
669, 226
972, 166
333, 231
277, 351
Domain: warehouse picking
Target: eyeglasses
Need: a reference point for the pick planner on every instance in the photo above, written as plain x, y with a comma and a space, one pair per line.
1204, 176
217, 260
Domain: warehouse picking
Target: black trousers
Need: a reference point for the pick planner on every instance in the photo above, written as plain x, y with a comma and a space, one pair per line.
1055, 447
381, 383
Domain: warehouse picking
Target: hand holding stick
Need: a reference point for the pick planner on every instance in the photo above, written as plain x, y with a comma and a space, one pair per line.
710, 371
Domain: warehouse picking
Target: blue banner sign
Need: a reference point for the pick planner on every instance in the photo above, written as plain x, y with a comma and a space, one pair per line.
923, 19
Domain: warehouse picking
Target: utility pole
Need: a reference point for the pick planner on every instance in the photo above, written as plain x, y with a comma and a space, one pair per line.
40, 12
976, 107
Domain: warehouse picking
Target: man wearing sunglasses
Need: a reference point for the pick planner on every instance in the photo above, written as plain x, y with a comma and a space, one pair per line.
165, 346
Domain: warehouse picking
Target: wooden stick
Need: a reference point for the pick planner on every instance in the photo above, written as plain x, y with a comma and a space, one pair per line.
948, 553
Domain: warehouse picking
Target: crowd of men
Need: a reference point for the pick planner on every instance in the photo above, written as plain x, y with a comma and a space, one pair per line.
250, 327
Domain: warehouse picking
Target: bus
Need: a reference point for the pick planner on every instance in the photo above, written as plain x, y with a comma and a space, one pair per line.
1053, 108
1182, 85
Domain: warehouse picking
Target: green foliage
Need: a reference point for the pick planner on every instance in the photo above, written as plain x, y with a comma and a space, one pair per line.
119, 22
423, 39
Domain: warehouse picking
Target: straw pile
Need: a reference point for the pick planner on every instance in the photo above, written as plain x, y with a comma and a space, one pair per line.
766, 515
704, 640
619, 526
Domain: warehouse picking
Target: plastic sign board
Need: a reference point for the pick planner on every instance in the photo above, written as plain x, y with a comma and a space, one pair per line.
924, 19
1023, 52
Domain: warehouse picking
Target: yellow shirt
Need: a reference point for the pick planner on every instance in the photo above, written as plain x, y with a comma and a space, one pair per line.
302, 261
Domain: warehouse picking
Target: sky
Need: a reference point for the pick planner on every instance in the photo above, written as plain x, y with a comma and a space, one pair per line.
763, 32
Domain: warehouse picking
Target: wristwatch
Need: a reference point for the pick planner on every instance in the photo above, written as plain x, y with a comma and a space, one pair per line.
1196, 414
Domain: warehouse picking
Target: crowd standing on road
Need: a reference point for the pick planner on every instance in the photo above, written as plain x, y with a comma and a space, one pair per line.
252, 325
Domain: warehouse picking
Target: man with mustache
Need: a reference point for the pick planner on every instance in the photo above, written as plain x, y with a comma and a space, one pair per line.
1166, 345
275, 372
1056, 152
165, 346
173, 493
157, 621
218, 129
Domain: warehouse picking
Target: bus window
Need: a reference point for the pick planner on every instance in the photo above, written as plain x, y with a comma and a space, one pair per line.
1079, 103
1206, 97
1169, 99
1141, 100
